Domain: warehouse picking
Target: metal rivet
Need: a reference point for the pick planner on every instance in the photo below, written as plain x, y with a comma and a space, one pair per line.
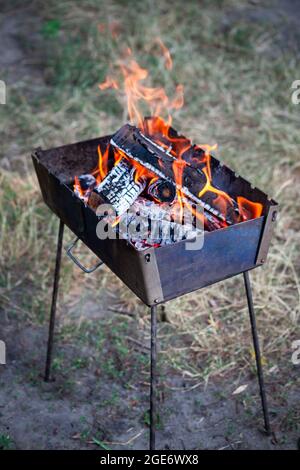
262, 260
274, 216
147, 257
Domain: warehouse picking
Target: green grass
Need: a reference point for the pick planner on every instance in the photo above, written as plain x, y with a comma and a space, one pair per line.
100, 444
235, 95
6, 442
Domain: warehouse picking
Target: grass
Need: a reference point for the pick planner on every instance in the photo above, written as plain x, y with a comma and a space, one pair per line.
236, 94
6, 442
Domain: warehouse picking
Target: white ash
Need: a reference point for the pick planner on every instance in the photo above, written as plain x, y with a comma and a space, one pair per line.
119, 188
149, 224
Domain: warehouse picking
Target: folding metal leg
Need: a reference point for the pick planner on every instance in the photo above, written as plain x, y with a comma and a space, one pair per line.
54, 299
257, 353
153, 379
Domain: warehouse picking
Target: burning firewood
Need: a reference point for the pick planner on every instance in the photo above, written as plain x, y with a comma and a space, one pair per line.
119, 188
162, 190
87, 182
141, 148
155, 189
150, 224
94, 200
181, 169
84, 185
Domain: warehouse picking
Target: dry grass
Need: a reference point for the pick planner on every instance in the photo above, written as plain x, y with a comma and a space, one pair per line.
235, 95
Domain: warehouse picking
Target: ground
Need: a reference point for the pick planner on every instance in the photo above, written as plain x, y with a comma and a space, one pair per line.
100, 393
238, 67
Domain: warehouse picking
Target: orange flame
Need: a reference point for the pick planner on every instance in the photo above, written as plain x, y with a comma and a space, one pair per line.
247, 207
140, 171
77, 187
136, 91
166, 54
222, 200
102, 164
178, 100
178, 168
134, 79
109, 83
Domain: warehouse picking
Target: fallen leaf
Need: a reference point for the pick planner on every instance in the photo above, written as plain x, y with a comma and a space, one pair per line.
240, 389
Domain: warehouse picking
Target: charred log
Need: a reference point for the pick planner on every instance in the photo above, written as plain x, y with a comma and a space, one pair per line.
162, 190
119, 188
87, 182
94, 200
131, 141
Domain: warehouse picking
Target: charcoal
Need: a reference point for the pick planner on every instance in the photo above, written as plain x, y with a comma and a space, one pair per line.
119, 188
153, 227
162, 190
94, 200
87, 181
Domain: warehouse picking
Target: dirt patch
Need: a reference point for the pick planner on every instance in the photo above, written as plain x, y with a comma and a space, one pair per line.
277, 21
21, 68
20, 40
94, 402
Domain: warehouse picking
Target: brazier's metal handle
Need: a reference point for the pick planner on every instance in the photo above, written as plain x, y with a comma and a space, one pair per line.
77, 262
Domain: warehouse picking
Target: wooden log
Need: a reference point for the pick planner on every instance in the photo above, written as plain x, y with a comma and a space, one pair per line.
87, 181
131, 141
162, 190
119, 188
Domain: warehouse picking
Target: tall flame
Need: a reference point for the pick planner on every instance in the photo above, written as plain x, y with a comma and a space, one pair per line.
133, 78
131, 81
166, 54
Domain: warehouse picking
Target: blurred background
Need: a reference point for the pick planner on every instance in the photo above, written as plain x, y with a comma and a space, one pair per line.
237, 61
